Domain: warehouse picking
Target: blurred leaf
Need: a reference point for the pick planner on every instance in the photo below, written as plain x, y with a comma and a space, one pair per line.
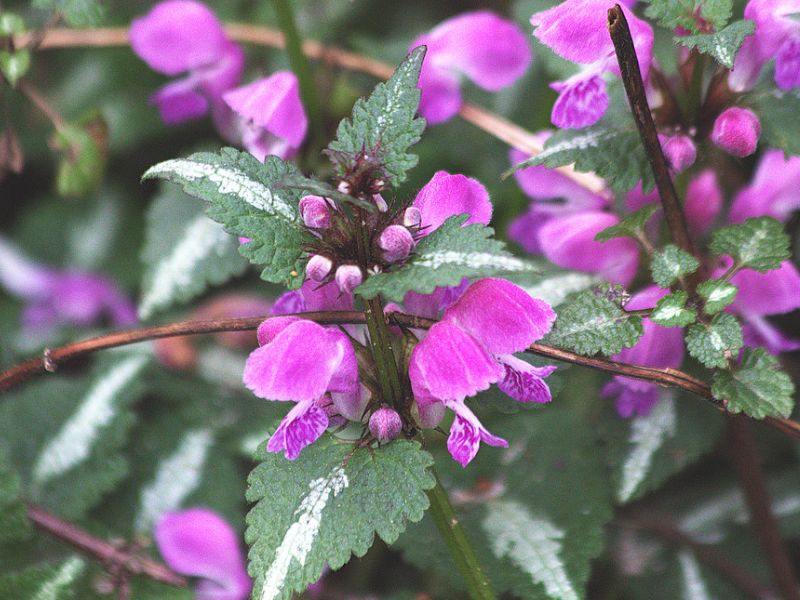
51, 582
246, 198
722, 45
757, 386
631, 225
78, 13
185, 252
385, 124
444, 258
689, 14
14, 524
777, 110
713, 344
14, 65
84, 145
670, 264
327, 505
760, 243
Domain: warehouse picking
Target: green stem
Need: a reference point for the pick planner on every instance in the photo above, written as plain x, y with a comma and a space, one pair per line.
299, 62
457, 543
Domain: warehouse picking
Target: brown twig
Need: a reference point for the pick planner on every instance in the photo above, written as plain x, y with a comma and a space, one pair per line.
52, 358
113, 558
669, 531
746, 456
634, 88
265, 36
42, 104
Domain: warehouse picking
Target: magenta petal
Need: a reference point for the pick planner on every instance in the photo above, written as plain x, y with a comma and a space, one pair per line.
569, 242
267, 331
450, 364
758, 331
774, 191
298, 364
746, 67
524, 382
176, 36
501, 315
466, 433
440, 99
772, 293
301, 427
582, 101
351, 404
447, 195
493, 52
199, 543
272, 103
179, 101
703, 202
632, 401
787, 63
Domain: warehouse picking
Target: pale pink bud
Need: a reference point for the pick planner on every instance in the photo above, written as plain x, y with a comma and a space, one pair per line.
679, 150
315, 212
344, 187
385, 424
412, 217
736, 131
396, 243
380, 202
348, 277
318, 267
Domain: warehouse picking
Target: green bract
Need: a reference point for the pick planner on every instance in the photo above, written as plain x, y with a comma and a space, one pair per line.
671, 311
723, 44
444, 258
716, 343
670, 264
327, 506
757, 387
717, 295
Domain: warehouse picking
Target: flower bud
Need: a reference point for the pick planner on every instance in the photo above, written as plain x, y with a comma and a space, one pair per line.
385, 424
315, 212
344, 187
318, 267
244, 240
412, 217
380, 202
396, 243
736, 131
679, 150
348, 277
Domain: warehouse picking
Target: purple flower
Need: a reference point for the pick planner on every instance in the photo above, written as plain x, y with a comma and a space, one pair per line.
576, 30
679, 150
199, 543
773, 192
315, 367
659, 347
385, 424
736, 130
312, 297
554, 195
471, 348
272, 118
489, 50
184, 36
446, 195
55, 298
569, 242
703, 202
777, 36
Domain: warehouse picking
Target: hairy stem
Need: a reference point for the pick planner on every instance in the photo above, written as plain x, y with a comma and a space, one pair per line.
747, 458
457, 543
115, 559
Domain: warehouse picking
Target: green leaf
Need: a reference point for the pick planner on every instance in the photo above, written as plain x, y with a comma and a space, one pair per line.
592, 324
65, 437
717, 294
12, 24
52, 582
14, 524
246, 198
631, 225
14, 65
444, 258
777, 110
670, 264
759, 243
185, 252
384, 124
615, 153
78, 13
688, 13
327, 505
722, 45
535, 537
757, 387
671, 311
84, 146
714, 343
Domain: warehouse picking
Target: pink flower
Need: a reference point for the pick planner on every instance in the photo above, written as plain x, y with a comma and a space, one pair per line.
447, 195
489, 50
54, 298
576, 30
315, 367
272, 120
773, 192
184, 36
199, 543
736, 130
471, 348
659, 347
777, 36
